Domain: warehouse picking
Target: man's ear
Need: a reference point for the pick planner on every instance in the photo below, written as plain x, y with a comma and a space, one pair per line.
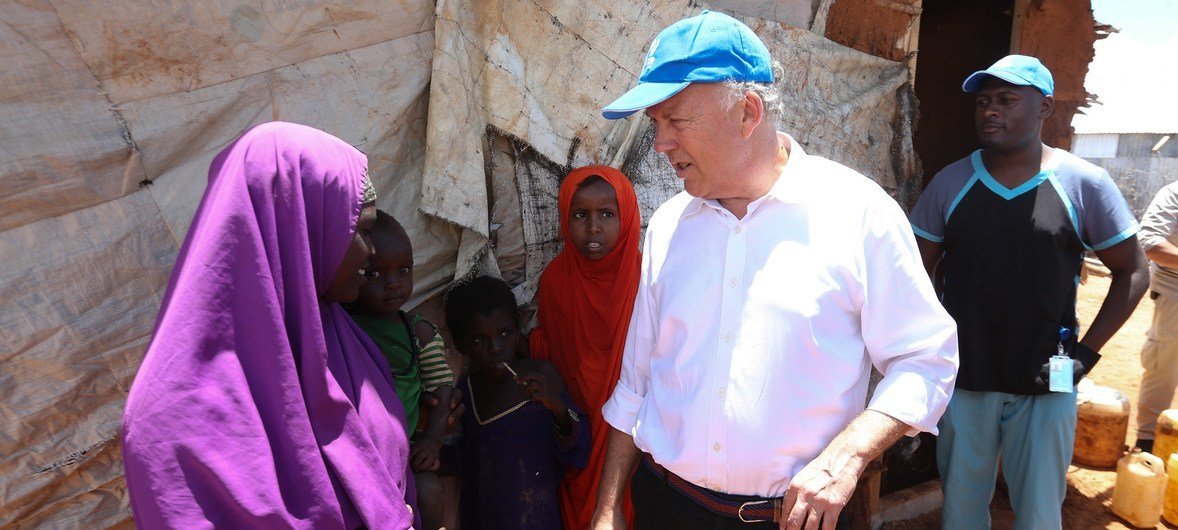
1046, 107
752, 113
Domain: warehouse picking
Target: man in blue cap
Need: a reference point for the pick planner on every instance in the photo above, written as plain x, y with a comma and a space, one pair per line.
1005, 230
769, 289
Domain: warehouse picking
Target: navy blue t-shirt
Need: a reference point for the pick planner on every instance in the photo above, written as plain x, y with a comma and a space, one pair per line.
1012, 260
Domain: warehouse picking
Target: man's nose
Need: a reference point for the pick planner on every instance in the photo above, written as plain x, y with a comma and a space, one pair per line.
663, 140
594, 225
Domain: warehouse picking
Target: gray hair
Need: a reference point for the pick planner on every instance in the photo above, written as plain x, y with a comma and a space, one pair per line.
769, 93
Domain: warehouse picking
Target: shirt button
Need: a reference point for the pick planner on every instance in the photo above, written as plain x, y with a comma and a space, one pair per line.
727, 337
737, 229
720, 393
716, 447
732, 283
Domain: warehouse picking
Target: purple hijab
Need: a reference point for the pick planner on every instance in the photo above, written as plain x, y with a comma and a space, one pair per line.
258, 404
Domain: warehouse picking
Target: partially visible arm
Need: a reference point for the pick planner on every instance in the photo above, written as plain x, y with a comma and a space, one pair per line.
621, 459
1164, 254
822, 488
1157, 225
1130, 279
435, 421
930, 257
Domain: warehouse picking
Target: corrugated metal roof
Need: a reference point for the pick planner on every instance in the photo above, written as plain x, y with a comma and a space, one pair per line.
1124, 124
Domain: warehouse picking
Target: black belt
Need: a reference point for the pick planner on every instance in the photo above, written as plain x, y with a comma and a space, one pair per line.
754, 510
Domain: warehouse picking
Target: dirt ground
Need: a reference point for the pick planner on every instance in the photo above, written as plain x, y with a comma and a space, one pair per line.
1089, 497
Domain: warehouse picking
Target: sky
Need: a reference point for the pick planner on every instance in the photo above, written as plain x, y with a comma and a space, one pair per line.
1135, 72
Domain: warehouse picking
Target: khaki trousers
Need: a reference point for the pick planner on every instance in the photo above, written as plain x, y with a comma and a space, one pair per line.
1159, 357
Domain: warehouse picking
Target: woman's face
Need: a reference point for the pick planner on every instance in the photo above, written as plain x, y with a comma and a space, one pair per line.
349, 278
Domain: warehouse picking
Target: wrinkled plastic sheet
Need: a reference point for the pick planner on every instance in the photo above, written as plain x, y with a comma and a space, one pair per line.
533, 76
110, 113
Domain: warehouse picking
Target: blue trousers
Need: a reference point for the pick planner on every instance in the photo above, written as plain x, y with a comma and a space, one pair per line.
1033, 435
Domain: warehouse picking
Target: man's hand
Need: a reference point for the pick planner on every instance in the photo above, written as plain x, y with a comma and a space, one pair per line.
817, 494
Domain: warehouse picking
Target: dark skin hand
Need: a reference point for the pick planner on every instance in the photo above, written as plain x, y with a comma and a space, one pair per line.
544, 385
456, 407
424, 456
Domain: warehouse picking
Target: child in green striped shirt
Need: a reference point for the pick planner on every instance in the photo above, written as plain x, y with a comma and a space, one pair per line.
416, 355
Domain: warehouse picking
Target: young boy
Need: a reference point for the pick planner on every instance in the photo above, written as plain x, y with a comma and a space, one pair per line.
520, 431
416, 355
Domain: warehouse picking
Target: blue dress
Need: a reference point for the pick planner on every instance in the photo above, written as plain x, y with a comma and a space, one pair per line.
512, 464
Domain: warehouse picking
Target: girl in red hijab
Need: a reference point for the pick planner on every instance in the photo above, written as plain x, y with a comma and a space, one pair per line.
586, 297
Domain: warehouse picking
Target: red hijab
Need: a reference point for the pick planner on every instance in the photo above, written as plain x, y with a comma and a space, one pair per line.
584, 314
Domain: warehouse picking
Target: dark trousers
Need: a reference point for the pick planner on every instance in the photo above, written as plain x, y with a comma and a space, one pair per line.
657, 506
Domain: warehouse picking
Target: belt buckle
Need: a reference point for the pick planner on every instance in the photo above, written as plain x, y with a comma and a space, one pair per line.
740, 512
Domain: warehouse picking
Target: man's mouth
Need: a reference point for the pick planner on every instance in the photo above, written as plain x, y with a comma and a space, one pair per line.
681, 166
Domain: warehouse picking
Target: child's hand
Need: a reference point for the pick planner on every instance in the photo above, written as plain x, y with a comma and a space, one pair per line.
542, 383
425, 454
429, 401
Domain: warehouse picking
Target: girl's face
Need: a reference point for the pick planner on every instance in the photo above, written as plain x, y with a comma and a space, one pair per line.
349, 277
390, 274
489, 340
593, 219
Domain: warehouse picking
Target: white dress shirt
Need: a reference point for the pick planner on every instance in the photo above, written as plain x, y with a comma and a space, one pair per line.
752, 340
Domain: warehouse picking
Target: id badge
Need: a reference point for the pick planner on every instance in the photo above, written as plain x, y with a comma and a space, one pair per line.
1060, 374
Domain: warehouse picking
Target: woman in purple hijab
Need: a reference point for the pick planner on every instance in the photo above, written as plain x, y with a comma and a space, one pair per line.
259, 403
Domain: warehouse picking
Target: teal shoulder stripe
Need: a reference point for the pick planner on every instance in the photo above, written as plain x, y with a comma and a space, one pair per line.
1121, 236
916, 230
1067, 203
975, 159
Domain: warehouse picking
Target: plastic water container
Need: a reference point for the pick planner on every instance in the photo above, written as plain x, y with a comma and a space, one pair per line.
1165, 439
1170, 506
1140, 489
1102, 420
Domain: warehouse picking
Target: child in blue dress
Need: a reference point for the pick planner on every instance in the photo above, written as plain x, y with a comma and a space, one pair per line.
520, 429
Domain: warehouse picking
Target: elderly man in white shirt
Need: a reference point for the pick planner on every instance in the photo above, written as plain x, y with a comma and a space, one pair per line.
769, 289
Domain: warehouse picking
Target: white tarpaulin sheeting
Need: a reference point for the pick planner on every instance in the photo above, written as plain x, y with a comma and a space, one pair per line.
539, 72
111, 114
112, 111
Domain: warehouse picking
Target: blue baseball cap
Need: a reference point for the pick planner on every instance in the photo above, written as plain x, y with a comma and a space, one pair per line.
1016, 70
707, 48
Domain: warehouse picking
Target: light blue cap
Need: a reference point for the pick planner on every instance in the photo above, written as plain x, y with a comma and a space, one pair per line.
1016, 70
707, 48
